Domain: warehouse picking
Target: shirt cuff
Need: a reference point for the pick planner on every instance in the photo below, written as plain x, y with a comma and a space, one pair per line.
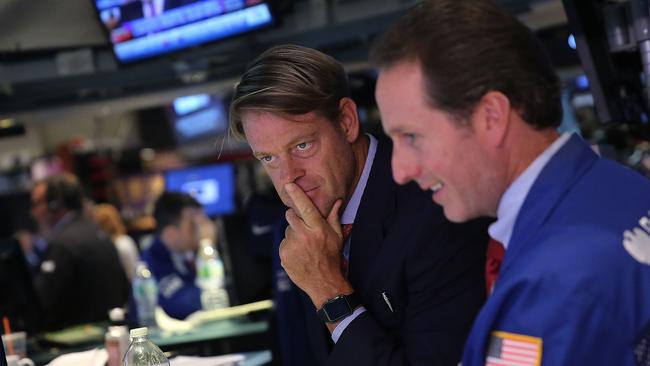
336, 334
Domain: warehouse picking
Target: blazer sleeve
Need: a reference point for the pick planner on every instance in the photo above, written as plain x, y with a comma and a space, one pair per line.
444, 276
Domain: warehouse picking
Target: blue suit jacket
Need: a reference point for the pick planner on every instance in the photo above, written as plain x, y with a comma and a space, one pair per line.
567, 278
430, 270
178, 295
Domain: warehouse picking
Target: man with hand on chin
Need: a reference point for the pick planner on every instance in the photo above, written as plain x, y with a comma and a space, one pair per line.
399, 287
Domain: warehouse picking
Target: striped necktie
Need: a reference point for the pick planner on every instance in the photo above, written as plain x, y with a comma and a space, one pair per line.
346, 230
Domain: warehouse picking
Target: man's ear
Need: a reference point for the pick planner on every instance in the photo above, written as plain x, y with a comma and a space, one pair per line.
491, 118
170, 236
349, 119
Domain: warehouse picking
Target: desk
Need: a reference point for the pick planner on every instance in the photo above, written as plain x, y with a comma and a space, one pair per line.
214, 338
221, 329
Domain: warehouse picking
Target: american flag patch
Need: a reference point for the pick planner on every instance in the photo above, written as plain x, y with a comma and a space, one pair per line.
509, 349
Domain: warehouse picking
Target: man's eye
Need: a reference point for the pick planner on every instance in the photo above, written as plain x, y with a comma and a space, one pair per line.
266, 159
408, 138
303, 146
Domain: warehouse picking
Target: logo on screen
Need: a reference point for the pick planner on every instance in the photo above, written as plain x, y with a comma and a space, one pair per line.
205, 191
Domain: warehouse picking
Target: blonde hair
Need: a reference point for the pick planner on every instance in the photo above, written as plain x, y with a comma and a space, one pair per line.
109, 220
291, 80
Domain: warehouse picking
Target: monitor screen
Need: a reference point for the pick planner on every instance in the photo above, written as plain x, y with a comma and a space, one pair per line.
141, 29
212, 185
198, 116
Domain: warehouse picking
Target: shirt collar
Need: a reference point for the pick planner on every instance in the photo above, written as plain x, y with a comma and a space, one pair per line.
514, 196
63, 221
351, 208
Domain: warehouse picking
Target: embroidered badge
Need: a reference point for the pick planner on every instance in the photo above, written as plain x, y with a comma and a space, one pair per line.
642, 348
513, 349
637, 241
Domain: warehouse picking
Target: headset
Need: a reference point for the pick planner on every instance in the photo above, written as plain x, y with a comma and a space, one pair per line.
63, 191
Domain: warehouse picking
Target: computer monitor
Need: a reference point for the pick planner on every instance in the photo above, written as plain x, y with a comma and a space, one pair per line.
142, 29
198, 117
212, 185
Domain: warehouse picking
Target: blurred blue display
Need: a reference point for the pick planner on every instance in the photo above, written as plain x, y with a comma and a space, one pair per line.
212, 185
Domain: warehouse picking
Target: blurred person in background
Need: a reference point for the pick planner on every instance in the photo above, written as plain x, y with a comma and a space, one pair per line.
171, 258
80, 276
108, 218
33, 247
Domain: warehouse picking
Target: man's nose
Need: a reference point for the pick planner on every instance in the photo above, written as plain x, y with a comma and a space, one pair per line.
405, 167
291, 170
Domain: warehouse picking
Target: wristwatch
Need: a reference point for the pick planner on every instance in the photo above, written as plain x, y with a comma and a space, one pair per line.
338, 308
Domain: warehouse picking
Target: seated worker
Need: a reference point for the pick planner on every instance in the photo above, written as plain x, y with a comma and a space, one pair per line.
81, 277
414, 280
180, 224
108, 218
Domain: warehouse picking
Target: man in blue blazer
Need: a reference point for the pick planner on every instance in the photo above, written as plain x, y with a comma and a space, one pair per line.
180, 226
401, 287
472, 104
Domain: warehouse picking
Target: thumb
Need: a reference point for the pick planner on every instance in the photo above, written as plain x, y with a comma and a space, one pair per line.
333, 218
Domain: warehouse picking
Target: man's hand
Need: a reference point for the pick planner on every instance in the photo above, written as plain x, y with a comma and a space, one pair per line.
311, 252
207, 230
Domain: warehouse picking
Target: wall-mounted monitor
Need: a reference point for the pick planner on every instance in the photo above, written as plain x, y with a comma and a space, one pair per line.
197, 117
142, 29
212, 185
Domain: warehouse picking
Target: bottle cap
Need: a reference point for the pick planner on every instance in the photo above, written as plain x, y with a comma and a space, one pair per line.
116, 315
139, 332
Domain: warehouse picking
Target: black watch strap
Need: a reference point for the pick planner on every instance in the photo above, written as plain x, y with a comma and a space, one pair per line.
338, 308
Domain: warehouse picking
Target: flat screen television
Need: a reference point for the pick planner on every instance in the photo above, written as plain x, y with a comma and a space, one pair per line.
199, 116
142, 29
212, 185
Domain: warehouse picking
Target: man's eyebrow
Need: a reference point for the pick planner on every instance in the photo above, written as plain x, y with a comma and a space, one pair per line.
291, 143
300, 138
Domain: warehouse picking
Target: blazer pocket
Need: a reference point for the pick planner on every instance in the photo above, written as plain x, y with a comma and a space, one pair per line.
386, 310
387, 301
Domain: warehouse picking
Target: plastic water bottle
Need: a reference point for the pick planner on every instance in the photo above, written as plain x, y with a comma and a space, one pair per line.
210, 278
145, 294
116, 338
142, 352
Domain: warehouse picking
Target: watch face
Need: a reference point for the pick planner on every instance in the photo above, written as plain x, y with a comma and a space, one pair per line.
337, 309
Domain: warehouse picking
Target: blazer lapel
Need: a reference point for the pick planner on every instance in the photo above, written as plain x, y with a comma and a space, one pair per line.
377, 204
555, 179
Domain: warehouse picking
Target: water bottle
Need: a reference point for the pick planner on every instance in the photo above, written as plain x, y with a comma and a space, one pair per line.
142, 352
145, 294
116, 338
210, 277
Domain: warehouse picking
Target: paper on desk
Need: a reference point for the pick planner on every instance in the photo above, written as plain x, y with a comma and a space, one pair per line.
167, 323
94, 357
226, 360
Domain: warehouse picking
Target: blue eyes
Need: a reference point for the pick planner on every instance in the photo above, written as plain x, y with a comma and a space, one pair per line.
301, 149
409, 138
304, 146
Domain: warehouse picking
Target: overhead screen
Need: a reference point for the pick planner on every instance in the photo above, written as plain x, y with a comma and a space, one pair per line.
213, 186
142, 29
196, 117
